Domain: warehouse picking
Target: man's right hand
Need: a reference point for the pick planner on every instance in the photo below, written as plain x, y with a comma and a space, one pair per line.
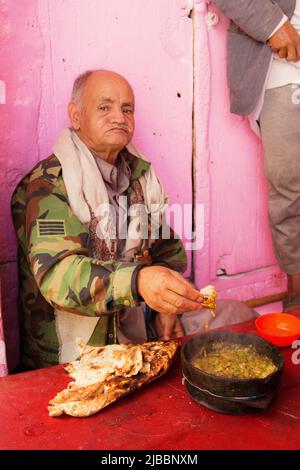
286, 42
166, 291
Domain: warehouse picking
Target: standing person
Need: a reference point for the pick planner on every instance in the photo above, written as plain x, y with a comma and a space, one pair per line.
264, 81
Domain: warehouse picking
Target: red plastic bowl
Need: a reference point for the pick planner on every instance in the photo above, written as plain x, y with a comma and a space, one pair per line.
280, 329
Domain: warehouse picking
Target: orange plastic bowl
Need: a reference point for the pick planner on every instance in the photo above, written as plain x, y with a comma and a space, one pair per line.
280, 329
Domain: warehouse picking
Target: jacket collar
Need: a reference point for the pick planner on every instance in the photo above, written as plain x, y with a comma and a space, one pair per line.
51, 169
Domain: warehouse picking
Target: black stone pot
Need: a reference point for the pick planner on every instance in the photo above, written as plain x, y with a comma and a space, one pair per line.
225, 394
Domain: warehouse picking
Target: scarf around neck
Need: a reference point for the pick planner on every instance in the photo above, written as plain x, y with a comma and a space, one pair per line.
87, 192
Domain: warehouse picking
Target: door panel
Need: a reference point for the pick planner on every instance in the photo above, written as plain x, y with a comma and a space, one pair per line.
237, 254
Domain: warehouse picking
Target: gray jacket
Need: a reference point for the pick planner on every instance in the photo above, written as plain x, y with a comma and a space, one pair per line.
249, 55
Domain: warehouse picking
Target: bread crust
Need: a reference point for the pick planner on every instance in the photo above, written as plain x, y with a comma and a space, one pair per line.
81, 401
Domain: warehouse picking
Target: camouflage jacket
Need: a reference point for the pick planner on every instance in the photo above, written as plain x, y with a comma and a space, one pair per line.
56, 270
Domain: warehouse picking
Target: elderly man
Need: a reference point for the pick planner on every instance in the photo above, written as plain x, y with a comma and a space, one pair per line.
264, 81
79, 278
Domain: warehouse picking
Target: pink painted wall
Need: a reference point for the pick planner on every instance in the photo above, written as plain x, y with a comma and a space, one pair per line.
20, 70
237, 255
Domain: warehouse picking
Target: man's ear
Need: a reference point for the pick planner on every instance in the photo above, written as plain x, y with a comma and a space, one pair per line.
74, 115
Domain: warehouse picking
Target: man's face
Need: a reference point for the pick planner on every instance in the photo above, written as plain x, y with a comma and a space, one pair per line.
106, 115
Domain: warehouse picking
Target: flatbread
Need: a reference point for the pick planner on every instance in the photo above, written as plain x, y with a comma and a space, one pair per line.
209, 295
104, 374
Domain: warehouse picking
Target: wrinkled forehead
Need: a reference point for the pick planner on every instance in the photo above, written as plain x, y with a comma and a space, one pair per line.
108, 86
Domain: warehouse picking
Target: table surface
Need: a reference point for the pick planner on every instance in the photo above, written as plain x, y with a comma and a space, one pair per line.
159, 416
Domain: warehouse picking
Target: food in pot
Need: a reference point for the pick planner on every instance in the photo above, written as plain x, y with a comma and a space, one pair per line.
234, 360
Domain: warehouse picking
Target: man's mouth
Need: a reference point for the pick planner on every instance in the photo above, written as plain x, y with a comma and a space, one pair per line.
118, 129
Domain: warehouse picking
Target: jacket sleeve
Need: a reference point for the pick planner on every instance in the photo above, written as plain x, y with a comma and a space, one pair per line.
57, 247
257, 18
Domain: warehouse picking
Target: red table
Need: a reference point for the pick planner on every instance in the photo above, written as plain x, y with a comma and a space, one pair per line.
160, 416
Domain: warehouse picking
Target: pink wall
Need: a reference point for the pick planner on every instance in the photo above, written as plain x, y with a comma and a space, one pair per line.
237, 255
20, 70
46, 43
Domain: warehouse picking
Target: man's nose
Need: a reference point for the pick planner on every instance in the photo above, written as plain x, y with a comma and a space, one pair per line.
118, 116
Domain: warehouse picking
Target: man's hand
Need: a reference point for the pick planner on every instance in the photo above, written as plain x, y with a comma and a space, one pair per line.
286, 42
168, 327
166, 291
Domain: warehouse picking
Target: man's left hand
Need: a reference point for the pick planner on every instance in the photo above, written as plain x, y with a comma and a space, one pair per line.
168, 327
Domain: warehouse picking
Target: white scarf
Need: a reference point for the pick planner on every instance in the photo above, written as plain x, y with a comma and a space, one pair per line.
84, 183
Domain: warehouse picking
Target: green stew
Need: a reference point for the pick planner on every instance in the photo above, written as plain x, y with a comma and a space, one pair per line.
234, 360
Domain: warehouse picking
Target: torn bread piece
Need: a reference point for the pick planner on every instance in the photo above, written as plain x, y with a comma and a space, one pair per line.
209, 295
104, 374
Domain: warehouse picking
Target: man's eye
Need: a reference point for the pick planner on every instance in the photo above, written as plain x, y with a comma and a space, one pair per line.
103, 108
128, 111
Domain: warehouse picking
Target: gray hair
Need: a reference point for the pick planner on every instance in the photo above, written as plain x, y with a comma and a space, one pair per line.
79, 84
